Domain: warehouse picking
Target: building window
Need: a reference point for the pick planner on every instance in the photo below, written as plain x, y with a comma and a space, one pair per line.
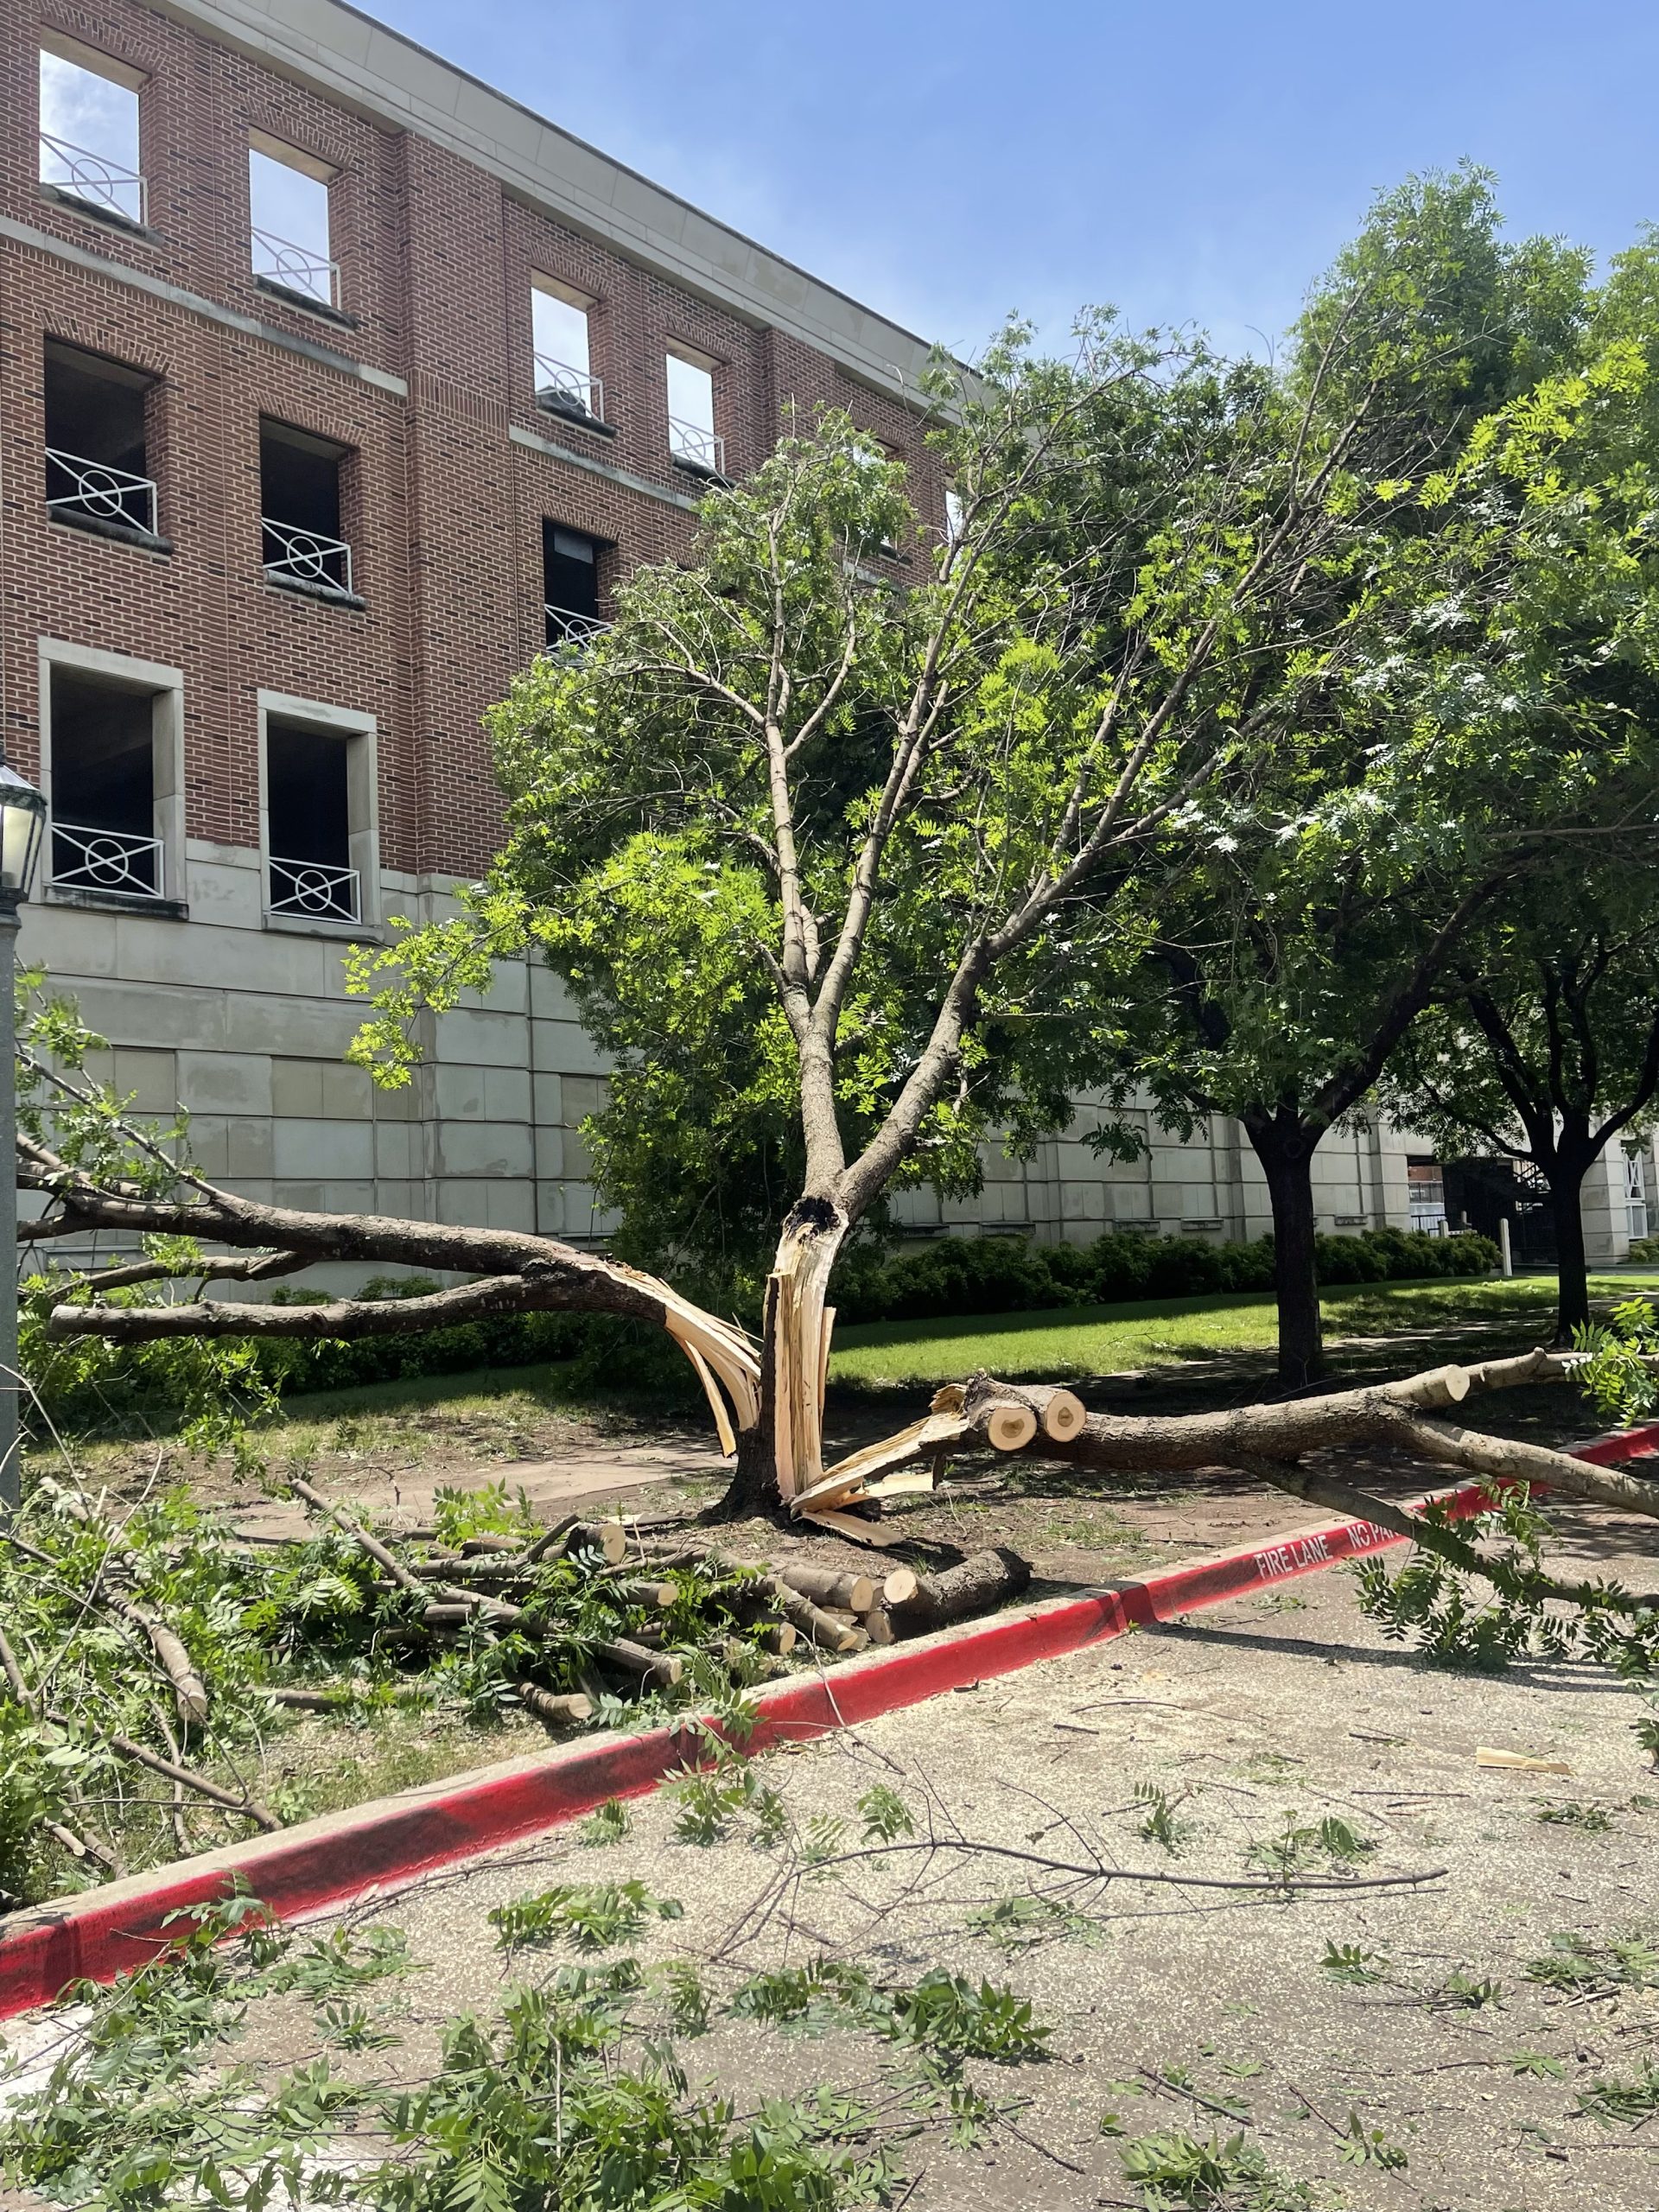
1426, 1196
113, 763
691, 438
875, 452
319, 805
565, 383
300, 511
89, 132
569, 583
287, 203
1635, 1195
97, 472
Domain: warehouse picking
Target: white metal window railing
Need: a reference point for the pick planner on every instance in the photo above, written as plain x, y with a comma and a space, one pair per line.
305, 556
314, 891
84, 859
564, 628
76, 485
94, 178
687, 441
567, 390
296, 268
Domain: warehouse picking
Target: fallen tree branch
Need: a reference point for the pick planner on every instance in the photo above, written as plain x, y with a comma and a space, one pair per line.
360, 1536
515, 1272
220, 1268
967, 1418
250, 1808
1513, 1582
1103, 1873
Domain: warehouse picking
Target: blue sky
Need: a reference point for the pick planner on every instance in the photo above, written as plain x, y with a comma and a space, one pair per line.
949, 160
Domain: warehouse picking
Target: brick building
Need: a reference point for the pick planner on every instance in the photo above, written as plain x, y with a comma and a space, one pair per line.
335, 385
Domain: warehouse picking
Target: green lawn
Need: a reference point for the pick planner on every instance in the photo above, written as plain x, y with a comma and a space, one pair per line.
1084, 1340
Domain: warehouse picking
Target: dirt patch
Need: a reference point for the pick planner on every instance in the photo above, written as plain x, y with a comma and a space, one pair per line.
1469, 2038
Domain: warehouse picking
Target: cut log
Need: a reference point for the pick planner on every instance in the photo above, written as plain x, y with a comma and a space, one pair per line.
449, 1616
900, 1587
560, 1711
816, 1627
608, 1538
551, 1541
876, 1626
1062, 1415
980, 1585
829, 1585
1389, 1413
655, 1597
1010, 1426
473, 1547
662, 1670
780, 1639
311, 1701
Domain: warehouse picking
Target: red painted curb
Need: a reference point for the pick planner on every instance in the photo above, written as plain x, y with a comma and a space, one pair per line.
323, 1862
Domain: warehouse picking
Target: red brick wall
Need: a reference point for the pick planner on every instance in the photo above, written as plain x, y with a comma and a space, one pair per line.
443, 512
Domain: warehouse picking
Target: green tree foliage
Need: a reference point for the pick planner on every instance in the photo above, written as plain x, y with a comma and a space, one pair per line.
1544, 1044
1249, 678
1477, 720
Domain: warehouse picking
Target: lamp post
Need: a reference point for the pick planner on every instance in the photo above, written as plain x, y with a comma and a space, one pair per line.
23, 826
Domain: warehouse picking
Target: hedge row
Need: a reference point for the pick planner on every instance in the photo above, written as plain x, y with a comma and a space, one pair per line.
1004, 1275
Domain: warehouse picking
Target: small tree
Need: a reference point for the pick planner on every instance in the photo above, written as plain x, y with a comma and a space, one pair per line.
1545, 1045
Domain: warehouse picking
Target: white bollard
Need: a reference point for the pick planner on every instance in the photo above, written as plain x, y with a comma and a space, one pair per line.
1504, 1245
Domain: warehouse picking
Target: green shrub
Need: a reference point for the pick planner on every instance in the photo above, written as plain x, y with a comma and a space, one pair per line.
1005, 1275
1644, 1250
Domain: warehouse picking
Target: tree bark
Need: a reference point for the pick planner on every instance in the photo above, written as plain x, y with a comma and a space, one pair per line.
1566, 1174
1286, 1150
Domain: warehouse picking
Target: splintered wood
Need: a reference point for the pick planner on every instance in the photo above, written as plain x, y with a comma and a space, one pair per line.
1007, 1420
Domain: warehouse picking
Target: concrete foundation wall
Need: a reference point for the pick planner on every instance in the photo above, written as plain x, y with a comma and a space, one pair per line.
244, 1022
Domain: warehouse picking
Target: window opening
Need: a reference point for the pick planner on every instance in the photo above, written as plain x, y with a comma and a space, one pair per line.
103, 767
307, 823
1426, 1195
96, 473
873, 454
953, 514
287, 202
300, 511
569, 584
691, 438
89, 134
565, 384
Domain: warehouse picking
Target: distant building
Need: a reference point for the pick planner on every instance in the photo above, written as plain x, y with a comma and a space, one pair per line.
333, 386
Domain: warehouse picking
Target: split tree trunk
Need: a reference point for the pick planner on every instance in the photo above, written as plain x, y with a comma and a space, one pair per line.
782, 1453
1286, 1156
